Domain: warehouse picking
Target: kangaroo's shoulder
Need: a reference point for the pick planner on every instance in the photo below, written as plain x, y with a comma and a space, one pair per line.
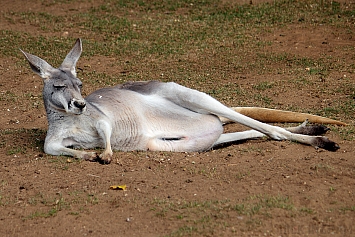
115, 92
142, 87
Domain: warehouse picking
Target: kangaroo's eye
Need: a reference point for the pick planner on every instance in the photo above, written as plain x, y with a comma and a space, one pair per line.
59, 86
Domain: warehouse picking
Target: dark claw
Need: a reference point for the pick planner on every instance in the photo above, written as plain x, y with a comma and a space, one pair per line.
325, 143
90, 157
103, 162
99, 160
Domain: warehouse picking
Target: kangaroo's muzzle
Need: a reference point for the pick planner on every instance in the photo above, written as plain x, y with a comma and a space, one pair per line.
78, 106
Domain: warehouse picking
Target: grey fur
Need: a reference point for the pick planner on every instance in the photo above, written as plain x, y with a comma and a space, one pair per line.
139, 116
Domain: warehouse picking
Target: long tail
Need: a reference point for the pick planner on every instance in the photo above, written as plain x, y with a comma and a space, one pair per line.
280, 116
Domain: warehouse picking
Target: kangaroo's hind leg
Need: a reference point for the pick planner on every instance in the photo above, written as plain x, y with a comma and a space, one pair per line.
238, 136
253, 134
190, 132
205, 104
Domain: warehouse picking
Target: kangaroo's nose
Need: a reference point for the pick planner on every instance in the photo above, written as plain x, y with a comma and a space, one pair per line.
79, 104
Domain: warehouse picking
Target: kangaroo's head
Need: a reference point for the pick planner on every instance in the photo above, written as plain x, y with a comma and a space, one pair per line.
62, 89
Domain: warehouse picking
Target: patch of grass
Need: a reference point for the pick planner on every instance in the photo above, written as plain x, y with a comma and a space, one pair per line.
264, 203
206, 215
16, 150
63, 162
8, 96
58, 204
99, 79
306, 210
45, 21
265, 100
122, 32
183, 231
74, 213
321, 168
346, 133
299, 65
38, 214
301, 82
72, 203
347, 208
92, 199
330, 110
26, 139
263, 85
51, 49
344, 109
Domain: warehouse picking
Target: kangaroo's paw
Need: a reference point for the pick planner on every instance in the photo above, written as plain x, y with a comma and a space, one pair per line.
90, 156
313, 130
325, 143
305, 129
106, 157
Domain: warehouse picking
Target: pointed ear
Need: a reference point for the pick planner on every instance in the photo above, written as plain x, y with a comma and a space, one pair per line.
38, 65
72, 57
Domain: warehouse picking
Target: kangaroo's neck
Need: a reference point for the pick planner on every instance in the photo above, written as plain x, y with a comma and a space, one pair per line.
53, 113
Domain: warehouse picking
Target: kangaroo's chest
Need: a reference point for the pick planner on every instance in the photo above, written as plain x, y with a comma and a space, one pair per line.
80, 134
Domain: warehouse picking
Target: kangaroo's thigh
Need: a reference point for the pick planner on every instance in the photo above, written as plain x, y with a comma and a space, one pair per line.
198, 135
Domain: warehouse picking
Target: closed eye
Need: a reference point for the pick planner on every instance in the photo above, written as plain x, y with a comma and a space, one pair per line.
58, 87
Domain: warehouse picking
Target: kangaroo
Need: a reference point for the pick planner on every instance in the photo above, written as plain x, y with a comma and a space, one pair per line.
151, 115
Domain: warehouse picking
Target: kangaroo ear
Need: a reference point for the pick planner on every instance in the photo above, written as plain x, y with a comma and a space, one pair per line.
38, 65
72, 57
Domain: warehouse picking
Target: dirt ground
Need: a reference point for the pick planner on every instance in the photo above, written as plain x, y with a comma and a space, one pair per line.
254, 188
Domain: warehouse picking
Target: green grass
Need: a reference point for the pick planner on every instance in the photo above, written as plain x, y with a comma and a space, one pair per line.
8, 96
348, 208
16, 150
54, 206
346, 133
306, 210
38, 214
49, 205
263, 86
206, 25
197, 217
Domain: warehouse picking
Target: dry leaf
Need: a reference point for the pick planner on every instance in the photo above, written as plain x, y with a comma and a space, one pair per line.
118, 187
